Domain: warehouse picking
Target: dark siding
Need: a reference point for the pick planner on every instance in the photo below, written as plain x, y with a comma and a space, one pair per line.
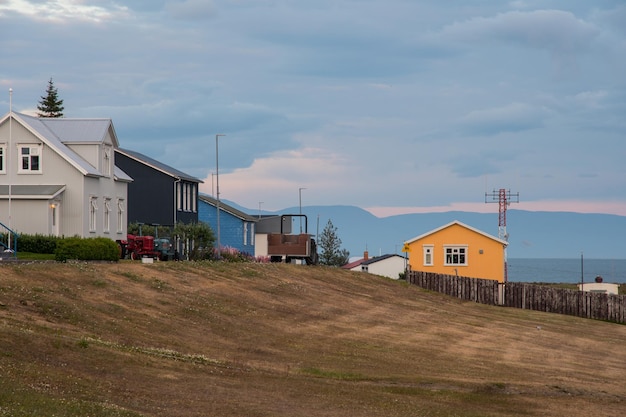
187, 214
150, 195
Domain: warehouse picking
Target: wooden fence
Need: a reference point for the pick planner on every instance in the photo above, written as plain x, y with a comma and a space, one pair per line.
484, 291
526, 296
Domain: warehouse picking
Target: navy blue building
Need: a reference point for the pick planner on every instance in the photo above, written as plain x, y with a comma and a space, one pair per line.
159, 194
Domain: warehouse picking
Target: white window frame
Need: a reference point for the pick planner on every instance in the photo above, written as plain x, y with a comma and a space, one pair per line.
188, 202
194, 198
107, 215
179, 197
429, 255
93, 213
245, 233
120, 215
107, 161
3, 158
455, 255
34, 150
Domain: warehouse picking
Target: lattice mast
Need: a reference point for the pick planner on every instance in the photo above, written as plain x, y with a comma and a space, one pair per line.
504, 198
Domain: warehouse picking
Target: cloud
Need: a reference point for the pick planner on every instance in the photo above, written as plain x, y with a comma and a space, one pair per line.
59, 11
513, 117
191, 9
556, 30
283, 173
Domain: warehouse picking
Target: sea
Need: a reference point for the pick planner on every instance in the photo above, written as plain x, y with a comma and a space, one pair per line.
566, 270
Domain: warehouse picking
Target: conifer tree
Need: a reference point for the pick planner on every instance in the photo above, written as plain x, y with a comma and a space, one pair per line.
330, 245
50, 105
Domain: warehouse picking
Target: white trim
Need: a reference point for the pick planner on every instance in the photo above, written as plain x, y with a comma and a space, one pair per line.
429, 254
456, 250
34, 150
456, 222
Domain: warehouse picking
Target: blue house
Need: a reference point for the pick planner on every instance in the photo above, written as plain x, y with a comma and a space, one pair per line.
237, 228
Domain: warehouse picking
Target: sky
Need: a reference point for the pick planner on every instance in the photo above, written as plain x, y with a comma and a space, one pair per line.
395, 106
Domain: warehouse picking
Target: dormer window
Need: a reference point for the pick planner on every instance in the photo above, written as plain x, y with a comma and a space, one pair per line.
30, 158
107, 161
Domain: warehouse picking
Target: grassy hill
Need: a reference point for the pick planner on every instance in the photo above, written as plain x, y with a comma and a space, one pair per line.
219, 339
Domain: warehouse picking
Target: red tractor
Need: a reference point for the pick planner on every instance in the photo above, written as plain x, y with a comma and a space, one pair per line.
137, 247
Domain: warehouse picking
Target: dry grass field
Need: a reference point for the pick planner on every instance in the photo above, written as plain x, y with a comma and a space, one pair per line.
218, 339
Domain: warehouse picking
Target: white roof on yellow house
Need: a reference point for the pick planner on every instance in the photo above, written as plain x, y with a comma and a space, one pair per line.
456, 222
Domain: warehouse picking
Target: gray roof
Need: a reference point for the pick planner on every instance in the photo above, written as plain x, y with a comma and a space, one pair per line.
31, 191
75, 130
121, 175
380, 258
49, 130
225, 207
159, 166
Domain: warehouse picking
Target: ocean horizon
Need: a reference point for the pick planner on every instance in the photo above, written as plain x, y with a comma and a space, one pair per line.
570, 271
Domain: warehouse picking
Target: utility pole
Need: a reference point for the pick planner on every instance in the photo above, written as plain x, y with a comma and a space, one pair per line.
503, 198
300, 199
217, 189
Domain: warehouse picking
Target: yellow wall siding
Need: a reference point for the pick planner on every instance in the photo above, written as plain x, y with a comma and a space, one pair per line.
484, 256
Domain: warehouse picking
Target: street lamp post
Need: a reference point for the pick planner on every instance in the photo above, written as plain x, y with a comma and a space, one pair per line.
300, 198
217, 189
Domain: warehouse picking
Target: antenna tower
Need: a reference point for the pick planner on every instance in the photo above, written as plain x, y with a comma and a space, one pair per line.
503, 198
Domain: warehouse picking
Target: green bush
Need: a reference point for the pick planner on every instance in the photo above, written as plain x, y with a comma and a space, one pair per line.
33, 243
91, 249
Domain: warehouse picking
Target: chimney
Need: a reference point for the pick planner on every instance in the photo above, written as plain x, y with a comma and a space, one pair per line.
366, 256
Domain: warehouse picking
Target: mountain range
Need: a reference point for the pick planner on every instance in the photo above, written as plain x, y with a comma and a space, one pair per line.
532, 234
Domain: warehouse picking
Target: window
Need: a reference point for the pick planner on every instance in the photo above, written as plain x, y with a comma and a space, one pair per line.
456, 255
2, 159
107, 161
30, 158
252, 234
187, 197
428, 255
120, 216
179, 201
93, 212
194, 198
245, 233
107, 214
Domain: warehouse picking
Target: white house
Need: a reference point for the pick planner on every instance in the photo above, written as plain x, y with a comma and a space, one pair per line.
390, 265
58, 177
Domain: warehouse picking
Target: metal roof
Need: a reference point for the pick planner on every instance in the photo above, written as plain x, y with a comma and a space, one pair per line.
78, 130
31, 191
380, 258
159, 166
49, 134
225, 207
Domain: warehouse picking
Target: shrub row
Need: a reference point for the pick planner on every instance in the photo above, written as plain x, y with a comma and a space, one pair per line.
33, 243
96, 249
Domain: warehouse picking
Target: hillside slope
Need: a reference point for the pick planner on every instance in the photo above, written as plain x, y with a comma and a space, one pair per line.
219, 339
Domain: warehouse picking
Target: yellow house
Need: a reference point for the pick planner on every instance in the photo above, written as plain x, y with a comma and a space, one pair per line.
458, 249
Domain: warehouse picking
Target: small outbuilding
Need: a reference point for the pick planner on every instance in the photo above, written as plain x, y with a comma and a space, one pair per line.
389, 265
